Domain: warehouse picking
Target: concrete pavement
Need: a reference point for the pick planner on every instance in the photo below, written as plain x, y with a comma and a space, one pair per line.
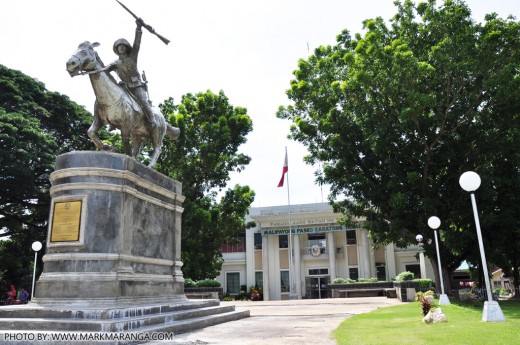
293, 322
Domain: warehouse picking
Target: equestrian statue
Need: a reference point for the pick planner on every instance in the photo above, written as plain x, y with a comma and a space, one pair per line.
124, 105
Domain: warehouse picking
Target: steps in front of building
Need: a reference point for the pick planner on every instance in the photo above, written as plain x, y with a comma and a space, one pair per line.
177, 318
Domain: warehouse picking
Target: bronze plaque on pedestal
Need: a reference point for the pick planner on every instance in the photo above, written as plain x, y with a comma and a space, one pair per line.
66, 221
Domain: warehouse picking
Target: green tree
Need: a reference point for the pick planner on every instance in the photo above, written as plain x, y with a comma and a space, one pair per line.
202, 158
397, 114
35, 126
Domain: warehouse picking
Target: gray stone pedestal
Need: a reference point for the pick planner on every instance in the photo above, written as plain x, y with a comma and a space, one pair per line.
112, 261
114, 233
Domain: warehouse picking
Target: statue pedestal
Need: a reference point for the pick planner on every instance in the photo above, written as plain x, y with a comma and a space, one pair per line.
112, 262
114, 234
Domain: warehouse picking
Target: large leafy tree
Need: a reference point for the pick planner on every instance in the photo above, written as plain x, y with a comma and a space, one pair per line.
397, 114
35, 126
207, 151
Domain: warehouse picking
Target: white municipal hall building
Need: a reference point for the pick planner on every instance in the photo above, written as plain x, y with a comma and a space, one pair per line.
323, 250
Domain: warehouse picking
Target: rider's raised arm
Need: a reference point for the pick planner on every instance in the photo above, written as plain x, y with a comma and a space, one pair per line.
137, 39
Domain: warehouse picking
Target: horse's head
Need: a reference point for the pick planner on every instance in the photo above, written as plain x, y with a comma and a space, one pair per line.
83, 59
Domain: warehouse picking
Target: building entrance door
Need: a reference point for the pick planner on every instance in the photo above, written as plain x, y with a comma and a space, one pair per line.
317, 287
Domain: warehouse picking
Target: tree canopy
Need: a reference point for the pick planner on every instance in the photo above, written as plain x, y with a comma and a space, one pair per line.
36, 125
207, 151
397, 114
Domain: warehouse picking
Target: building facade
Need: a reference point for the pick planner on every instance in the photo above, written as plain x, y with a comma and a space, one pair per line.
323, 250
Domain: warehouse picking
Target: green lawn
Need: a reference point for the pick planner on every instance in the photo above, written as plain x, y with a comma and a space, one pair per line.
400, 325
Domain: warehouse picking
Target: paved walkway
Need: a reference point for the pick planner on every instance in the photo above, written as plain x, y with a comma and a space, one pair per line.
295, 322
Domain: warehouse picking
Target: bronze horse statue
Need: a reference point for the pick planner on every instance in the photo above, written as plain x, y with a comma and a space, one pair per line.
116, 107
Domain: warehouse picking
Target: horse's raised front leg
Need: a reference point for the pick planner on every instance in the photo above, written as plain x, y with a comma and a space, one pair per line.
96, 125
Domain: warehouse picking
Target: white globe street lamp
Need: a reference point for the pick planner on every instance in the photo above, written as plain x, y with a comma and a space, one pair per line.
422, 266
470, 181
434, 223
36, 246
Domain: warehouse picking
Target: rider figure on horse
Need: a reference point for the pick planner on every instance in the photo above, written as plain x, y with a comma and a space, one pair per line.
126, 69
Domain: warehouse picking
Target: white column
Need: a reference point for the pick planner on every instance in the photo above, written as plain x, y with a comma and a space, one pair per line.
421, 264
372, 263
265, 267
365, 254
390, 261
332, 255
297, 266
250, 257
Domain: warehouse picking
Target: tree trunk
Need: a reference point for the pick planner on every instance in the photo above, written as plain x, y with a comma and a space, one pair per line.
445, 276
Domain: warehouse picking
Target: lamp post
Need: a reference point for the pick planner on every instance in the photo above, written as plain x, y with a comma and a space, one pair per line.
470, 181
419, 239
36, 246
434, 223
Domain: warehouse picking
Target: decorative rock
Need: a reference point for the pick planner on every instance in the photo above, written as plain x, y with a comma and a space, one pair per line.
435, 316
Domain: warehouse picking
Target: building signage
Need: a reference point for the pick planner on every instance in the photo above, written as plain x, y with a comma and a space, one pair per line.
295, 222
298, 230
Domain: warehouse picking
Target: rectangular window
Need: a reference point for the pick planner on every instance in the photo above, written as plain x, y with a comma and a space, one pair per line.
381, 273
284, 278
259, 279
415, 269
283, 241
351, 237
318, 271
233, 282
258, 240
353, 273
317, 240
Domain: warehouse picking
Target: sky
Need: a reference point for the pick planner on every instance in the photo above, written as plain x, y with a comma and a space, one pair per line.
248, 49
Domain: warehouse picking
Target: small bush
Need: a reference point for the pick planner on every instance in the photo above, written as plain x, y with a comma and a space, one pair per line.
420, 295
426, 305
425, 283
208, 283
343, 281
255, 293
188, 283
367, 280
404, 276
500, 291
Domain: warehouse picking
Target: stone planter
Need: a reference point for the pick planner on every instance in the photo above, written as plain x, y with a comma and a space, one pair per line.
204, 293
406, 290
358, 289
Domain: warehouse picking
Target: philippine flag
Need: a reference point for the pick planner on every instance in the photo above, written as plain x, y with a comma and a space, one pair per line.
285, 169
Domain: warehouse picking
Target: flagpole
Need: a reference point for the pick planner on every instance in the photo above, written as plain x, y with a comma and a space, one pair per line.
292, 294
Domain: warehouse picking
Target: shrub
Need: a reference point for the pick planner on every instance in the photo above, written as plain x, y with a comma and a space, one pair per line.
405, 276
425, 299
208, 283
367, 280
501, 291
420, 295
342, 281
188, 283
425, 283
227, 297
255, 293
426, 304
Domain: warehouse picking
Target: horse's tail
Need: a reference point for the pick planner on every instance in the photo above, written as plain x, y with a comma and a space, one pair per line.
173, 132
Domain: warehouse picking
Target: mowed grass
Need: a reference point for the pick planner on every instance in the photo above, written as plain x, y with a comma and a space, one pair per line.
400, 325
